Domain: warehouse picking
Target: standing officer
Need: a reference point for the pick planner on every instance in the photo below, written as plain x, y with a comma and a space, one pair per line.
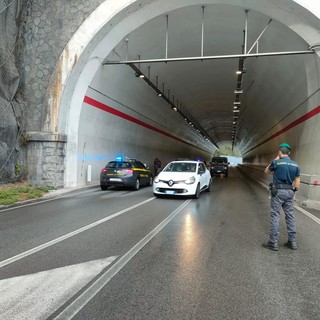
286, 181
157, 166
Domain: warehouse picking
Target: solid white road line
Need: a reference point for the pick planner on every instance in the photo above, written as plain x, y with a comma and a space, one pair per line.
69, 235
308, 214
317, 220
88, 294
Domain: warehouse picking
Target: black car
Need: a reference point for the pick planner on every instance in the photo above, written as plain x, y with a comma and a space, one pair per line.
219, 165
127, 173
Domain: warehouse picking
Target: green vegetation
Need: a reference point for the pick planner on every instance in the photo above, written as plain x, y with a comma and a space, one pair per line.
15, 193
227, 150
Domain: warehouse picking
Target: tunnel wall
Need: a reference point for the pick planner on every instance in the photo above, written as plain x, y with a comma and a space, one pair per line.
131, 120
51, 83
300, 128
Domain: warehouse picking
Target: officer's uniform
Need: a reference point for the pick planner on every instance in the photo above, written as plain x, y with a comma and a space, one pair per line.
284, 172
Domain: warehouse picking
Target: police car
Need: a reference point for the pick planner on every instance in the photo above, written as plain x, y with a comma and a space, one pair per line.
125, 173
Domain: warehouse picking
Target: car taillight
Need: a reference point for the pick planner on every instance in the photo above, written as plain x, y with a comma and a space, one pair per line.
104, 170
127, 171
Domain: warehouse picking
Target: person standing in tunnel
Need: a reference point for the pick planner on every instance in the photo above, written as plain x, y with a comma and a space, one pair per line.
286, 181
157, 166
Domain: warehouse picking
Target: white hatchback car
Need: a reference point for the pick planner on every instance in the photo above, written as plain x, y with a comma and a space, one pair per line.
182, 178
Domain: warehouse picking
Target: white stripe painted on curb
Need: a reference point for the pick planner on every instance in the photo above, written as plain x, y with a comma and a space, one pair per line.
88, 294
69, 235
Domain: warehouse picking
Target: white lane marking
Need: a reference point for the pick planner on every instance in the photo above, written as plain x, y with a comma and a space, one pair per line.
37, 296
90, 292
69, 235
317, 220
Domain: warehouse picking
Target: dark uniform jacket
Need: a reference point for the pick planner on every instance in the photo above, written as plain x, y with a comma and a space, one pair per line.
284, 170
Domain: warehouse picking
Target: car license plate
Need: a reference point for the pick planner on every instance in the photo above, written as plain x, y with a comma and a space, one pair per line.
115, 179
170, 192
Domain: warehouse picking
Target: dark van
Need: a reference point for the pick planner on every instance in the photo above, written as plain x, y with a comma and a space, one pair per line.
219, 165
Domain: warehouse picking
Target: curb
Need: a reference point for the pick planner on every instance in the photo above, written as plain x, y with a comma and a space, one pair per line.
54, 194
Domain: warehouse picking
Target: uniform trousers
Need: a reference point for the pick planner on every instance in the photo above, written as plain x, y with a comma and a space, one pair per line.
285, 200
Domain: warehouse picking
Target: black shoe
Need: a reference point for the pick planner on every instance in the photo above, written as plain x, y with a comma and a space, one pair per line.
291, 244
271, 245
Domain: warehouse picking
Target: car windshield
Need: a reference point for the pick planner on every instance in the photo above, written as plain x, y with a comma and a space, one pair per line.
180, 167
219, 160
118, 164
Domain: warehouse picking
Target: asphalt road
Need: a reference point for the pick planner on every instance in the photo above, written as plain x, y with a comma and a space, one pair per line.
119, 254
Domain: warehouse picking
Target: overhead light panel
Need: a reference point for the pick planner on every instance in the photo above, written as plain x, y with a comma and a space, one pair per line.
237, 103
238, 72
237, 91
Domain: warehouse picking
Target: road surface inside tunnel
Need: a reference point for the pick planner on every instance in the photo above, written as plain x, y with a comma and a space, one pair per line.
119, 254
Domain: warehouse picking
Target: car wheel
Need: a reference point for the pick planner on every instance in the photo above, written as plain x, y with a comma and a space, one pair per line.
197, 194
209, 186
103, 187
136, 185
150, 181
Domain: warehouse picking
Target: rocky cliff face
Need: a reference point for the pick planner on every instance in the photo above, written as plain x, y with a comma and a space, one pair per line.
11, 110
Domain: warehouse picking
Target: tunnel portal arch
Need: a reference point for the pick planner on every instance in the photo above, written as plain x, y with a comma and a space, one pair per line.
106, 27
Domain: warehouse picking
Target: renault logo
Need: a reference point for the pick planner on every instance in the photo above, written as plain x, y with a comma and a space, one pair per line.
170, 183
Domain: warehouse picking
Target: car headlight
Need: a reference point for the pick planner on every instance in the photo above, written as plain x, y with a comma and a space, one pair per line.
190, 180
156, 180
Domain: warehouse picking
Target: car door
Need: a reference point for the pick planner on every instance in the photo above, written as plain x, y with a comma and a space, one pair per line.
144, 176
202, 175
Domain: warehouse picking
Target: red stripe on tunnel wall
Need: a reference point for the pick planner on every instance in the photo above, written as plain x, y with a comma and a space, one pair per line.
293, 124
104, 107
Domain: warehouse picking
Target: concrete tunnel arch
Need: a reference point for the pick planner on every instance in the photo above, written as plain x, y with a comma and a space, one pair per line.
108, 30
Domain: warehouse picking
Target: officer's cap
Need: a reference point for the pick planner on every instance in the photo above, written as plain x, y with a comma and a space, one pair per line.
285, 145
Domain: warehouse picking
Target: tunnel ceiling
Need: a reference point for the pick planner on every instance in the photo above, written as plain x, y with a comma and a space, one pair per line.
205, 89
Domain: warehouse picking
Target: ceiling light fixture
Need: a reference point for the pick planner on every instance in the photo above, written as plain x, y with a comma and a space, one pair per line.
237, 102
237, 91
238, 72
